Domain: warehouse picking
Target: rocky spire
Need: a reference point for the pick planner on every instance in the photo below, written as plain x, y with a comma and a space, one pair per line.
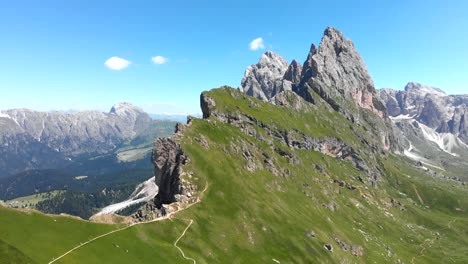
292, 76
336, 71
264, 79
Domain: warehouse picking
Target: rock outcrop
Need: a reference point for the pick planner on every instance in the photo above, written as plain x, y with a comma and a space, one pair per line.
168, 158
292, 76
265, 79
174, 191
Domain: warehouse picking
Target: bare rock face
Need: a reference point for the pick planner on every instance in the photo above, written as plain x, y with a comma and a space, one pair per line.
389, 97
430, 106
292, 76
336, 72
168, 158
411, 101
206, 104
175, 191
265, 79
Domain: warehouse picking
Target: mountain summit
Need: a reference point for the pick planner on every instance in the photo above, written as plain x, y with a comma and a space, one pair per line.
334, 73
264, 79
125, 108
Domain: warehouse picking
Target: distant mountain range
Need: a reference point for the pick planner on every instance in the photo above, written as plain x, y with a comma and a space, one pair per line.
57, 146
434, 126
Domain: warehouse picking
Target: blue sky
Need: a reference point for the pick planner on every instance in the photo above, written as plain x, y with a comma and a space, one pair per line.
52, 53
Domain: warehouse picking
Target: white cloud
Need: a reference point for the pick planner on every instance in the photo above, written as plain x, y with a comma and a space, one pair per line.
257, 44
159, 59
116, 63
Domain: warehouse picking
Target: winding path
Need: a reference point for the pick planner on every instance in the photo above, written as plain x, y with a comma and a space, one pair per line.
141, 223
183, 233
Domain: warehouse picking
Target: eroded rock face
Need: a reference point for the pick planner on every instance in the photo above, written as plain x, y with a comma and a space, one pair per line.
335, 71
206, 104
265, 79
430, 106
174, 191
168, 158
292, 76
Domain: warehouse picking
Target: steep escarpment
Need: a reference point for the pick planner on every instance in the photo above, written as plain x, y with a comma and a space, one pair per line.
174, 190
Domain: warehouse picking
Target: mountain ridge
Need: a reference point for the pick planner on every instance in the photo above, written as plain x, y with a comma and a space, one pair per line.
310, 175
34, 140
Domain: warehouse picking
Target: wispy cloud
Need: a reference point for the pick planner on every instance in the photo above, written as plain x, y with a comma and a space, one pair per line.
159, 60
116, 63
257, 44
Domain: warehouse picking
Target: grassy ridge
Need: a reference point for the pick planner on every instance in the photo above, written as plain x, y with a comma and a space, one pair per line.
255, 217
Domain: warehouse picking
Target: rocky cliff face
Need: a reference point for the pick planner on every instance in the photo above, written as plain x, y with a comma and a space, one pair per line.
175, 190
334, 72
429, 106
36, 140
292, 76
265, 79
168, 158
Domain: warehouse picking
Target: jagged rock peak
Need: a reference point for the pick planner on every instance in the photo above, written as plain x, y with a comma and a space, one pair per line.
270, 57
292, 76
421, 89
264, 79
336, 70
293, 73
332, 32
124, 108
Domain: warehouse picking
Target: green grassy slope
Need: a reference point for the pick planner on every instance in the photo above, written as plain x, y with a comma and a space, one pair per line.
40, 237
257, 217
